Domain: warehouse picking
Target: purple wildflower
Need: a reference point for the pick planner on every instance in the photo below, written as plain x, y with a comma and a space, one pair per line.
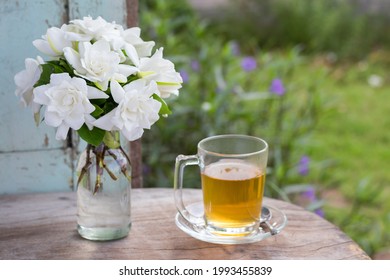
248, 63
277, 87
320, 212
310, 197
310, 194
184, 75
303, 165
195, 65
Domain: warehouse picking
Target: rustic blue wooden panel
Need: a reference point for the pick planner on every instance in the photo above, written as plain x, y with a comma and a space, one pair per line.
35, 171
30, 158
21, 22
114, 10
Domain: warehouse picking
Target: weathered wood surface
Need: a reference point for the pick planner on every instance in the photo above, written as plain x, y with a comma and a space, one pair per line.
43, 226
135, 146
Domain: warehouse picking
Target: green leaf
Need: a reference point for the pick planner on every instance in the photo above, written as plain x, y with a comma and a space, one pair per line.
66, 66
57, 68
93, 137
49, 68
167, 84
130, 79
112, 139
109, 106
164, 110
99, 101
44, 79
98, 111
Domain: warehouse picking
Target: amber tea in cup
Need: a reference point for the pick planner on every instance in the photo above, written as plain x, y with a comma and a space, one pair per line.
232, 169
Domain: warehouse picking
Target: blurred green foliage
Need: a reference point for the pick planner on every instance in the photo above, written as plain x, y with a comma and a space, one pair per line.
347, 28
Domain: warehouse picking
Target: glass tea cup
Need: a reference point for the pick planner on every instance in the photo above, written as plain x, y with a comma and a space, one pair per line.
232, 170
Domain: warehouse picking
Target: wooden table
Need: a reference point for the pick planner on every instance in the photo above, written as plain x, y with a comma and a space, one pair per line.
43, 226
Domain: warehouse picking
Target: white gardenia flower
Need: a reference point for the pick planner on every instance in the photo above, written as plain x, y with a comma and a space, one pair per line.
132, 36
88, 29
53, 43
161, 70
25, 81
67, 102
98, 63
136, 110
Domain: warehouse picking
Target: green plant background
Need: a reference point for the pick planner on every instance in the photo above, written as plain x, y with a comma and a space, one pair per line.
333, 60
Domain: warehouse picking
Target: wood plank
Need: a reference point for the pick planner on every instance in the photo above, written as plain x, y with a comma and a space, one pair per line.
135, 146
132, 12
109, 10
43, 226
21, 22
36, 171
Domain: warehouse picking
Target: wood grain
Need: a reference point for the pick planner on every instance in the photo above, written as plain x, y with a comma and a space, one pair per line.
135, 146
43, 226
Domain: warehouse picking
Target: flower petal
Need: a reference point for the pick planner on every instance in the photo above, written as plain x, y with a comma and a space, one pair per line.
134, 134
74, 59
62, 132
57, 79
131, 53
117, 91
52, 119
105, 122
56, 39
44, 47
75, 122
127, 70
39, 95
89, 121
94, 93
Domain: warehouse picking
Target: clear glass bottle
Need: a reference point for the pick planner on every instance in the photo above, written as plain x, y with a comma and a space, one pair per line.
103, 193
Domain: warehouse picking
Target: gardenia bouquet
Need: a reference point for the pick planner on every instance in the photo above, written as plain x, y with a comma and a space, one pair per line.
100, 78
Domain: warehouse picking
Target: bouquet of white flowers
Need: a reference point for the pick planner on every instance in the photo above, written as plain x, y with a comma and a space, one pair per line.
100, 78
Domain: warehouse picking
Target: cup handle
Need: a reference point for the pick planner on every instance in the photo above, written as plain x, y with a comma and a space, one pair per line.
181, 162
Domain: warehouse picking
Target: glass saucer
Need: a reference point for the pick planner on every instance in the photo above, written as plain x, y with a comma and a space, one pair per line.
278, 221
